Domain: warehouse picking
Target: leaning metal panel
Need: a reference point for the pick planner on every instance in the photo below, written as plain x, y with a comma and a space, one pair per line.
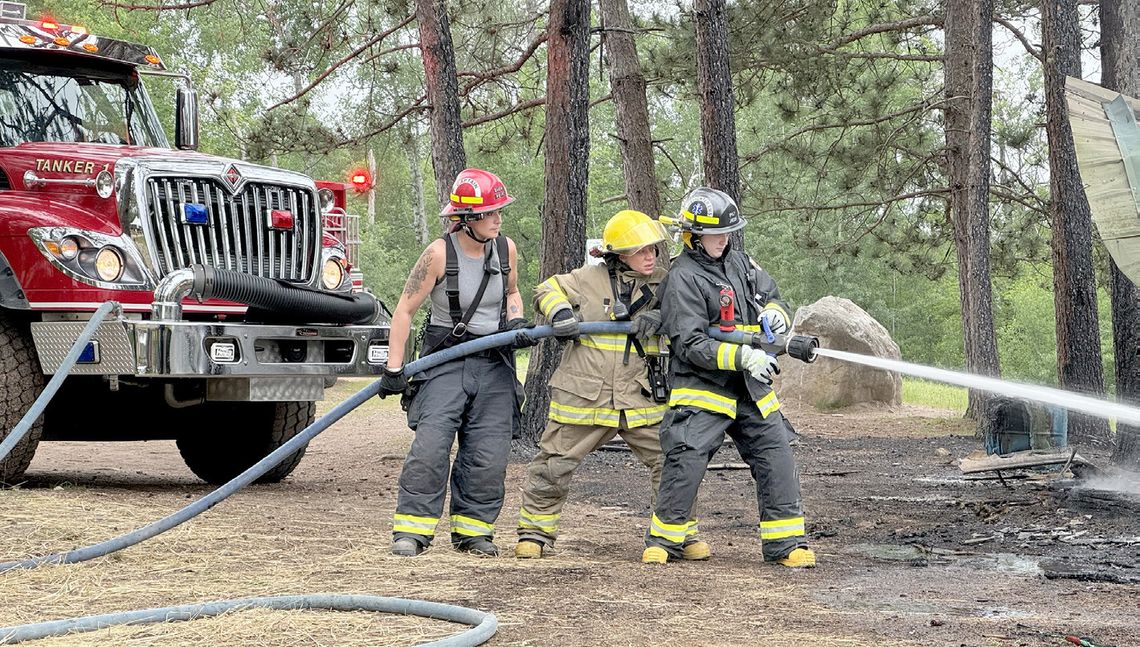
265, 389
54, 339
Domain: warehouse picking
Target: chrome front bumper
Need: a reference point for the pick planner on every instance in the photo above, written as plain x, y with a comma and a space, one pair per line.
186, 349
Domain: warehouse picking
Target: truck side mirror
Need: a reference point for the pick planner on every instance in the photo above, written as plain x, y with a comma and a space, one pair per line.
186, 119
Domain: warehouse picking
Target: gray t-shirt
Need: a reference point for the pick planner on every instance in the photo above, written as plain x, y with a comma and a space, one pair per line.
486, 318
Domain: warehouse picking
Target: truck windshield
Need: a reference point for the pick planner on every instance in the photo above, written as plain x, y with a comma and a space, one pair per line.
73, 103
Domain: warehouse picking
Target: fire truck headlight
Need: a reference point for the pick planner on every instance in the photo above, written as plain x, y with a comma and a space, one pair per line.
68, 248
104, 184
109, 264
332, 274
328, 201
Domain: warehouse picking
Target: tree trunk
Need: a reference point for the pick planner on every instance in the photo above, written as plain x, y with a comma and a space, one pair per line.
372, 189
627, 84
969, 93
1119, 53
1074, 278
714, 92
635, 139
419, 210
447, 155
567, 139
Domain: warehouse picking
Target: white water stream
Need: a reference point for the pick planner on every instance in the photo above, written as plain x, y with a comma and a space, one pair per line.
1055, 397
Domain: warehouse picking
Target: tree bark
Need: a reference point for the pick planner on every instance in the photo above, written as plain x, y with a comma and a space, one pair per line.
969, 94
448, 157
627, 84
567, 138
715, 94
1074, 278
1120, 71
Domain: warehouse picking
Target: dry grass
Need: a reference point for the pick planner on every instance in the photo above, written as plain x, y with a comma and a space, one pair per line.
326, 529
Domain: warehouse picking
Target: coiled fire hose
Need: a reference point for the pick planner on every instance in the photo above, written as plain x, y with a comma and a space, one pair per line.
486, 623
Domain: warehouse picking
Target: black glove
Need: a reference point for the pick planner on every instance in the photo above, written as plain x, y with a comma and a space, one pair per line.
393, 382
565, 324
645, 323
522, 339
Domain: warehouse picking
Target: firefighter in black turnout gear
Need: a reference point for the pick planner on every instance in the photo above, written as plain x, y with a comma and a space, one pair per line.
468, 276
720, 388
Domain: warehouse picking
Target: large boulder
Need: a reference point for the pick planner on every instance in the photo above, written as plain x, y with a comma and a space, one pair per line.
828, 383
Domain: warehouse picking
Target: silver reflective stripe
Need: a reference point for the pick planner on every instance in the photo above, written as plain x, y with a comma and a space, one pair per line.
471, 529
527, 521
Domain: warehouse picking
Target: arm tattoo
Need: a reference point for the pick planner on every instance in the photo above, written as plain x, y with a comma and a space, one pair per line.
419, 274
514, 309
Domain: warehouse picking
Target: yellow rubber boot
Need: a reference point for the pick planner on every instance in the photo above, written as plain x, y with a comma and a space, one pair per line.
696, 551
798, 558
527, 549
654, 555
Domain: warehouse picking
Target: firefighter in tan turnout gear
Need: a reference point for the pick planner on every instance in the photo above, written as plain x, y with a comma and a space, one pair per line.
606, 384
719, 387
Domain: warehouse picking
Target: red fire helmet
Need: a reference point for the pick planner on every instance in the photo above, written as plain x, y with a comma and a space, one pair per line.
476, 191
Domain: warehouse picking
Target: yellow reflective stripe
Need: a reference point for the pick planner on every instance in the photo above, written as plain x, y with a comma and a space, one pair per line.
546, 522
463, 199
768, 404
413, 524
726, 356
615, 342
551, 302
750, 327
782, 528
692, 529
646, 416
584, 415
674, 532
711, 220
470, 527
707, 400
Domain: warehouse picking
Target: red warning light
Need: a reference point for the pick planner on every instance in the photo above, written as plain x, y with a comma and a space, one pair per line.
361, 180
50, 25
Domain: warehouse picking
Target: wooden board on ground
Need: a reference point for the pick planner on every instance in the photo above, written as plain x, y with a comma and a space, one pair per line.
1017, 460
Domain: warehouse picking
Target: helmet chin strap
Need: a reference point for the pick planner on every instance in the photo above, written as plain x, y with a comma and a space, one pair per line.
467, 228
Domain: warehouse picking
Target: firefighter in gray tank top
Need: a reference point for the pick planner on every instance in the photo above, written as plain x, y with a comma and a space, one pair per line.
467, 275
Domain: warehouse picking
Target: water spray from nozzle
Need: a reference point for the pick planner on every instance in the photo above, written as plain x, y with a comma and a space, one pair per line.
1098, 407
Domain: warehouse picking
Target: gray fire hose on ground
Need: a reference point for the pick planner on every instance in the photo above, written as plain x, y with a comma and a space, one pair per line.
486, 622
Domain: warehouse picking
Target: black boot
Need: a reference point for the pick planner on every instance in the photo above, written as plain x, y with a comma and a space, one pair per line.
478, 546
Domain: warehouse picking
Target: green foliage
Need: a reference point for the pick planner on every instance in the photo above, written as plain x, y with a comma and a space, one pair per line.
831, 131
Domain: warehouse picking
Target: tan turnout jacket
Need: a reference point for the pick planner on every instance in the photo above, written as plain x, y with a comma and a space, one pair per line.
591, 386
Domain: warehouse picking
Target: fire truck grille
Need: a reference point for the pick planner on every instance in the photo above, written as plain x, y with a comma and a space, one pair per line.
198, 221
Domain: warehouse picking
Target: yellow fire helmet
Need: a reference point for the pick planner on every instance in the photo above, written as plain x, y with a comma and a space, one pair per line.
628, 231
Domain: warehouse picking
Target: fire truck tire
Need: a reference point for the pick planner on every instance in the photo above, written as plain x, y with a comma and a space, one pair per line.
21, 381
218, 457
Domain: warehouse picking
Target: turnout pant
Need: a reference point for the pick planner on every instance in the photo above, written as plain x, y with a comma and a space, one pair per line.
472, 398
561, 450
690, 437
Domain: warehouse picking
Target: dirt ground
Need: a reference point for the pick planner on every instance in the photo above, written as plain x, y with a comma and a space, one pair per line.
911, 552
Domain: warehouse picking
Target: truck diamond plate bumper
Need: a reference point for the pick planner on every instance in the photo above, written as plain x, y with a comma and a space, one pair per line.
194, 349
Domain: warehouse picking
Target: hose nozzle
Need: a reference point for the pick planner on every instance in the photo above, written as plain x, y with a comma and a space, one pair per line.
802, 347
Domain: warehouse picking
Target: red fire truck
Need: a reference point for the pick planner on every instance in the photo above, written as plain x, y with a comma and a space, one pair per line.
238, 307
